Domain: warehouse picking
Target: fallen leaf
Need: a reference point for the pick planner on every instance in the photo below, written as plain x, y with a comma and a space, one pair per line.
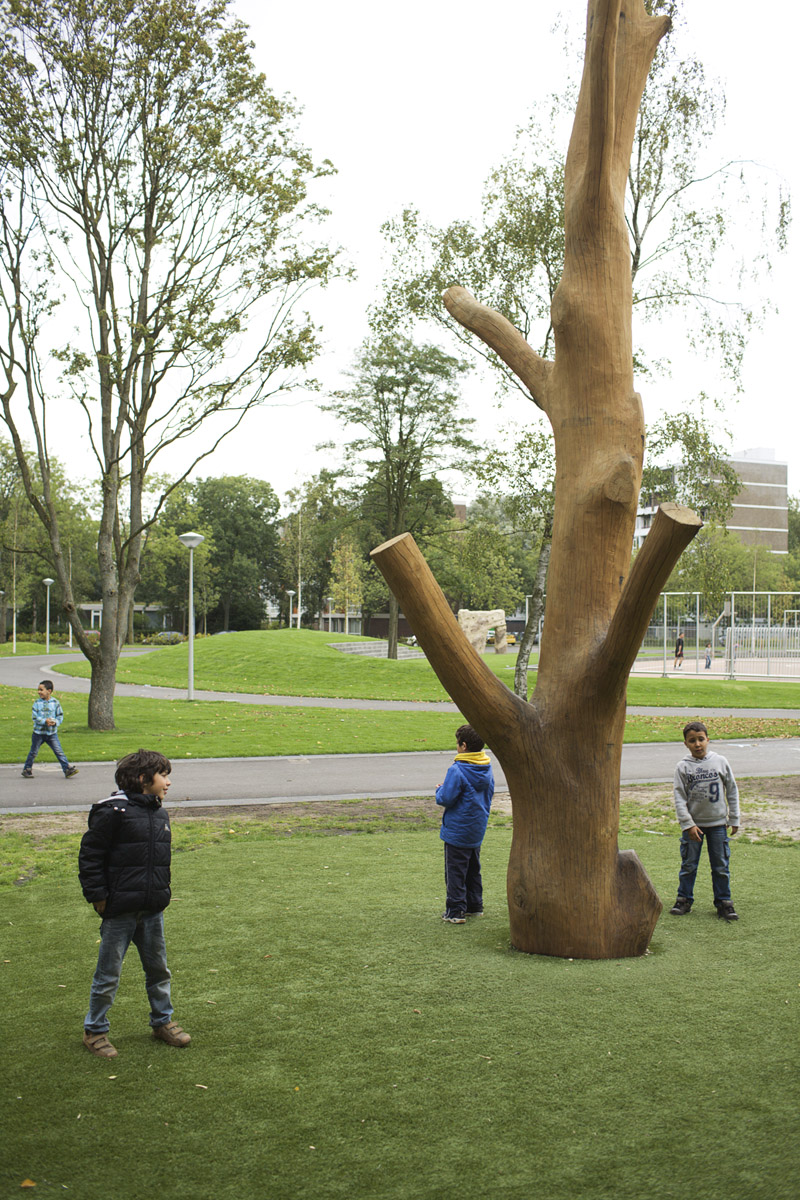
112, 1077
27, 1183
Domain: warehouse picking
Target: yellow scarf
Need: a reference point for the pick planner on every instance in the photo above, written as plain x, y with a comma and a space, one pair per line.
478, 757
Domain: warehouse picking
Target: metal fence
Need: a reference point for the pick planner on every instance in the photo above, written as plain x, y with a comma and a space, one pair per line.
750, 634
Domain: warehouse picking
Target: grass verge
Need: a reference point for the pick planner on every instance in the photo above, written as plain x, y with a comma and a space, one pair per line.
346, 1043
226, 729
284, 662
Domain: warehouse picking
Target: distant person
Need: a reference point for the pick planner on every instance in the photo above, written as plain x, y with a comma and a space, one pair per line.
706, 802
47, 716
124, 869
466, 797
708, 657
676, 666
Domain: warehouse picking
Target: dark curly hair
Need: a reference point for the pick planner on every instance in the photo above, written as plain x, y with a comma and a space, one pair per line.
140, 766
466, 735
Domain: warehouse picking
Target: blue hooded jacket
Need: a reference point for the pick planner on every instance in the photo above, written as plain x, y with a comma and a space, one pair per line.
466, 796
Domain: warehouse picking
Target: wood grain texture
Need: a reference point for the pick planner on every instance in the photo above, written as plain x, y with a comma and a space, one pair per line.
571, 892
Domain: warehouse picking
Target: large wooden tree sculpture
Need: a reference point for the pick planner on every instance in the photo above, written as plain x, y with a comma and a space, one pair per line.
571, 892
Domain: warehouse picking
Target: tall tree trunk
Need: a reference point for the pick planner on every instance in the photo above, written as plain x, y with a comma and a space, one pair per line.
101, 694
571, 892
393, 623
535, 609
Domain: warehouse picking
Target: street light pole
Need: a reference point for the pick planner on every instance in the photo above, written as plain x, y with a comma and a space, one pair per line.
191, 540
290, 594
48, 583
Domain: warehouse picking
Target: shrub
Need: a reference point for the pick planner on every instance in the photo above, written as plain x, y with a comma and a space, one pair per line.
167, 637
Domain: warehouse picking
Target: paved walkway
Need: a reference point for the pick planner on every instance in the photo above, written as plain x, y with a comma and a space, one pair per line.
26, 672
283, 779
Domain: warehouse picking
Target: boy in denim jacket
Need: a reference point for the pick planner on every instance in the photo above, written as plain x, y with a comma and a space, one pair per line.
47, 716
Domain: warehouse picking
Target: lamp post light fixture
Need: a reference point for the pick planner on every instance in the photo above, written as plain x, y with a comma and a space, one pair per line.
48, 583
191, 541
290, 594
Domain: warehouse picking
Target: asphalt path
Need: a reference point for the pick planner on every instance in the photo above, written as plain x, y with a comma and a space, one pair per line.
283, 779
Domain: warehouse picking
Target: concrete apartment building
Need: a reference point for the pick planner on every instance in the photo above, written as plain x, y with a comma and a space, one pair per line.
760, 515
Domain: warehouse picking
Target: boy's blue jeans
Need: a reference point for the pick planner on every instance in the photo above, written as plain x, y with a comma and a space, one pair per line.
719, 855
462, 879
146, 931
51, 740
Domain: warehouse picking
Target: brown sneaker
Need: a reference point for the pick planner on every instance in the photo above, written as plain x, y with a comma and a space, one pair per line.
98, 1044
172, 1034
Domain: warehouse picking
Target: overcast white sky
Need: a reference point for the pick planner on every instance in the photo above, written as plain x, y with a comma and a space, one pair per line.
415, 103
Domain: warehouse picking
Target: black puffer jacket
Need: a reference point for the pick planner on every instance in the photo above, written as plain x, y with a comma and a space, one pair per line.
125, 854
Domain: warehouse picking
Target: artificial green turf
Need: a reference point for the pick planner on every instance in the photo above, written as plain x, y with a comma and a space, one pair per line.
347, 1043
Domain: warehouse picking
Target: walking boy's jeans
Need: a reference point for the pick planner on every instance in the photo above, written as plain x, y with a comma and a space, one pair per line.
462, 879
146, 931
719, 854
51, 740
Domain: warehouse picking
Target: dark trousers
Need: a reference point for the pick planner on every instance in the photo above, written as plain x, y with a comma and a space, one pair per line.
462, 879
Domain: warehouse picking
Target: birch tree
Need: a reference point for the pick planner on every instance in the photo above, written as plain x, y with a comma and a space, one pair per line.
154, 254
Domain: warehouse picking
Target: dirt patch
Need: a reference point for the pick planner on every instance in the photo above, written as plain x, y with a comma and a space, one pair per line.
771, 807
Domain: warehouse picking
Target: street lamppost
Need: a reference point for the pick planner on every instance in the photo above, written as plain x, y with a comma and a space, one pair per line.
290, 594
48, 583
191, 540
330, 614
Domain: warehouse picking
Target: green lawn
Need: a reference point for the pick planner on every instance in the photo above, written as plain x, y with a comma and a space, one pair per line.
348, 1044
220, 729
286, 662
29, 649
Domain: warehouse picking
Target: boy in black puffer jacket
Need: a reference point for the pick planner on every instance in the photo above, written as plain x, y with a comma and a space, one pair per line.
124, 869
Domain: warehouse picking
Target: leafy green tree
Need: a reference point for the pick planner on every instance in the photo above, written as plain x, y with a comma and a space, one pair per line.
26, 556
165, 561
319, 511
406, 403
347, 576
523, 476
151, 190
794, 524
475, 567
241, 515
685, 463
717, 563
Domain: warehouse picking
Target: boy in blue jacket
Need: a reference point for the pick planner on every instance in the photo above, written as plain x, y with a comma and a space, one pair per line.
466, 797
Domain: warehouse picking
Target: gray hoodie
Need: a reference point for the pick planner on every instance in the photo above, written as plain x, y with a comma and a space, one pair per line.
705, 792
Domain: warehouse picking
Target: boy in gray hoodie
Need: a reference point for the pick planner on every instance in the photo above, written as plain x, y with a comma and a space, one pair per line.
706, 802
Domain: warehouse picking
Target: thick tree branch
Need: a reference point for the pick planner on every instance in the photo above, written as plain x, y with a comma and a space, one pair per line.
487, 703
500, 335
672, 530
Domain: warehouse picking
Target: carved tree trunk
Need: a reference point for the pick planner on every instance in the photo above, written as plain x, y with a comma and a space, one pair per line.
571, 892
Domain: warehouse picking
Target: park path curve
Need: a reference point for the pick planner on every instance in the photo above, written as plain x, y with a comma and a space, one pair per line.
282, 779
